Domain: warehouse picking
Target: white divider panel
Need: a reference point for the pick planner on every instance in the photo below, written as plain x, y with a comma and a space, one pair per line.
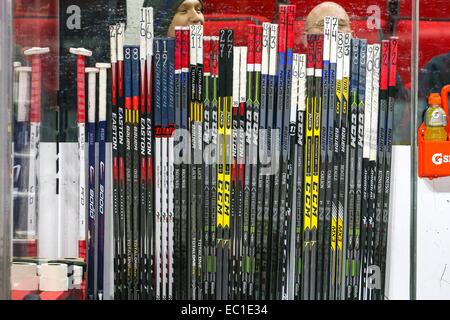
433, 238
48, 202
398, 251
68, 199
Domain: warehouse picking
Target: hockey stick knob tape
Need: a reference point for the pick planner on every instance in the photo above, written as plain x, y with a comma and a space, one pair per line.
90, 70
81, 51
103, 65
36, 50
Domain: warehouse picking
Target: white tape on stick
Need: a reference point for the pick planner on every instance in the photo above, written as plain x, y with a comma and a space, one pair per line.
54, 271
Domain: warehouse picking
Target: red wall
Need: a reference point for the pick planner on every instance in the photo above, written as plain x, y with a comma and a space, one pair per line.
36, 25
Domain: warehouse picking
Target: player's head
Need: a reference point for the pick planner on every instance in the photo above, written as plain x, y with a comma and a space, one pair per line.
315, 19
188, 12
172, 13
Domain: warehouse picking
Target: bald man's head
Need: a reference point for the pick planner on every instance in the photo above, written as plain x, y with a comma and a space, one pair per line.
314, 21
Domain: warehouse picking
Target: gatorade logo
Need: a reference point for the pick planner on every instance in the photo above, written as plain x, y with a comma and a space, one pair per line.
439, 158
435, 114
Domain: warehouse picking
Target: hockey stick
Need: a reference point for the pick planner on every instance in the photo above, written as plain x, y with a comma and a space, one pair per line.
102, 67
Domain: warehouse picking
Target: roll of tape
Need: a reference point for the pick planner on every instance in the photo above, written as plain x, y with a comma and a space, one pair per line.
77, 281
52, 284
54, 270
23, 269
77, 271
27, 283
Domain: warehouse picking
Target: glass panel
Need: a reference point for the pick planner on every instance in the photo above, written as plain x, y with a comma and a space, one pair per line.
433, 148
100, 193
5, 148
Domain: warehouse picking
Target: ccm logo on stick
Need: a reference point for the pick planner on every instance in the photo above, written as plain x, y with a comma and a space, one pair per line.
439, 158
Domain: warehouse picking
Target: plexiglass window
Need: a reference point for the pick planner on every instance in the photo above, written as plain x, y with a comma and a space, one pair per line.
213, 150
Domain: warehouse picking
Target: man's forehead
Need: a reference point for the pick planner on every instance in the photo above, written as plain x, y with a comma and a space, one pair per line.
319, 15
324, 9
191, 3
316, 19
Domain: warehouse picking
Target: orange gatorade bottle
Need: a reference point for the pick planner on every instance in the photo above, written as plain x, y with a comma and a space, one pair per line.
435, 119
